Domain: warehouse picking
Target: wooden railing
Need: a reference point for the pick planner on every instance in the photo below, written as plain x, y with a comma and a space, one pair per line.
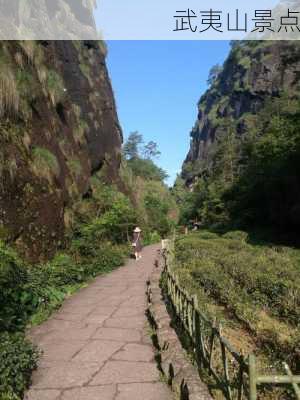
235, 373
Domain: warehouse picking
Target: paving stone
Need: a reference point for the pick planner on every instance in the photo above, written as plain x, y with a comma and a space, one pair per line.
42, 395
110, 301
69, 335
106, 392
145, 391
96, 319
68, 316
135, 352
130, 322
104, 310
71, 309
134, 301
126, 372
98, 351
130, 312
60, 351
66, 375
118, 334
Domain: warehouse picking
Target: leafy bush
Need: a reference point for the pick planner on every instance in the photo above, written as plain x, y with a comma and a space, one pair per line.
13, 277
206, 235
151, 238
18, 358
157, 211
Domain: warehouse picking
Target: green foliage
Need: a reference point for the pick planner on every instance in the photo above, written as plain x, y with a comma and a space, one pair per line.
113, 223
155, 208
151, 150
13, 277
146, 169
157, 212
18, 358
253, 180
252, 287
131, 148
267, 190
151, 238
237, 235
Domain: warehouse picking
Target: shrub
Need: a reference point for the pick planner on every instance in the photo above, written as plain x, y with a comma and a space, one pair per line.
237, 235
206, 235
13, 277
256, 287
18, 358
151, 238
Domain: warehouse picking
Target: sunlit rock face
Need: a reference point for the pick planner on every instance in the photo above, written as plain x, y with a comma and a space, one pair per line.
58, 128
255, 72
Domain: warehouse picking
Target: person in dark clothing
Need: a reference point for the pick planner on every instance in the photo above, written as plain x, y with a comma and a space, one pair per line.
137, 243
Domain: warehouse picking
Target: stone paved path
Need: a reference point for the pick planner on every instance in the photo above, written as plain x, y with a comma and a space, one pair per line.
96, 347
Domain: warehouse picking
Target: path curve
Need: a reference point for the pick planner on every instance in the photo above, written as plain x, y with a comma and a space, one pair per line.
97, 346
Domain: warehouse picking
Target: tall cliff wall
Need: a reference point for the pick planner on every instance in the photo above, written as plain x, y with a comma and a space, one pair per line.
254, 73
58, 127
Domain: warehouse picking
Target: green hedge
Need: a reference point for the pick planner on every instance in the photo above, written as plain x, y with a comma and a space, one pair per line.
258, 286
18, 358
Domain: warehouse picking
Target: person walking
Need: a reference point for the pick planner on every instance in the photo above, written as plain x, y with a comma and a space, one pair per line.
137, 243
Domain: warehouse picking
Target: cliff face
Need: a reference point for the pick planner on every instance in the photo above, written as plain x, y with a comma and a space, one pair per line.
253, 73
58, 127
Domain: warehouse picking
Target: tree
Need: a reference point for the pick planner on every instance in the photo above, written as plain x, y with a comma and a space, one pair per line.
151, 150
147, 169
131, 148
214, 73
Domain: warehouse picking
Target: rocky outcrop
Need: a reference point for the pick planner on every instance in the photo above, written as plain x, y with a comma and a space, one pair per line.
58, 127
254, 72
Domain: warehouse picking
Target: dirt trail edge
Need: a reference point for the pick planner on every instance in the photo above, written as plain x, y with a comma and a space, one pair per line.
96, 347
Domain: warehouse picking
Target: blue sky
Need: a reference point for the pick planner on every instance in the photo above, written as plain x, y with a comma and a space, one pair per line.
157, 85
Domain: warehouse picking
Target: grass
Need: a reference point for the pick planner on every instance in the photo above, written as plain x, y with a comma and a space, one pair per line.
75, 167
80, 131
55, 87
45, 163
9, 95
254, 290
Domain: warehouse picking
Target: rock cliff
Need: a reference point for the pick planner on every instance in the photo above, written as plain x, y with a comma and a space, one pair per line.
255, 72
58, 127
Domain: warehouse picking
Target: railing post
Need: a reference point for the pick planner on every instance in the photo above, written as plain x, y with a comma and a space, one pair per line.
295, 386
197, 332
252, 378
